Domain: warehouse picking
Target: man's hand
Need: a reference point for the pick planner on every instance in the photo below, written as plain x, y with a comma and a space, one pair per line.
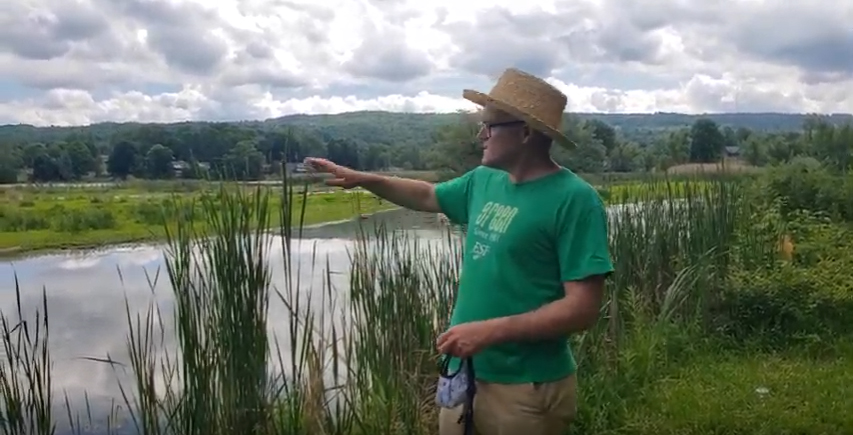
343, 176
466, 339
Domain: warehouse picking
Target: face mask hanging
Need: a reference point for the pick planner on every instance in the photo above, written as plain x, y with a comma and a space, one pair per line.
459, 388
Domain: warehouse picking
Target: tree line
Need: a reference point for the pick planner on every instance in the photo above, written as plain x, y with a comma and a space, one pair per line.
447, 143
602, 148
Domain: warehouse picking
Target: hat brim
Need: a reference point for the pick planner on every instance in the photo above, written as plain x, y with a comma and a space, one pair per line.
484, 100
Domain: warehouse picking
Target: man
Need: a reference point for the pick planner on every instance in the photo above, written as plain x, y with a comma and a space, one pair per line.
535, 261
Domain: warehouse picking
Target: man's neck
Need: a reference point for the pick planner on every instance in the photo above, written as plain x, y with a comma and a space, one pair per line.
531, 168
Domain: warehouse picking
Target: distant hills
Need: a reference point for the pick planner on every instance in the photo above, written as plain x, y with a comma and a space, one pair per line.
392, 127
623, 121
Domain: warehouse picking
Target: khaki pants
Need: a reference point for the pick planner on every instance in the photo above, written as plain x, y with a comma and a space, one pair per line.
526, 409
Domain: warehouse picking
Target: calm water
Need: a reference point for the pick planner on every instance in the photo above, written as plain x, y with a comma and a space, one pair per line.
87, 290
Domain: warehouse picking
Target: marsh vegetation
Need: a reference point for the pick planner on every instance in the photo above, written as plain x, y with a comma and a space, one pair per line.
726, 315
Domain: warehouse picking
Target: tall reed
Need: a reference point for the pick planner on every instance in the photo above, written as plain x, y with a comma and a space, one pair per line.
218, 380
401, 291
26, 393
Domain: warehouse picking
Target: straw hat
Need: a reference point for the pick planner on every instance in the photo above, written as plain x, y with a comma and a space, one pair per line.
527, 98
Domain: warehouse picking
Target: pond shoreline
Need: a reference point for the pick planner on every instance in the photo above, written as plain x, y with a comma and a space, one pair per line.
20, 253
17, 253
131, 233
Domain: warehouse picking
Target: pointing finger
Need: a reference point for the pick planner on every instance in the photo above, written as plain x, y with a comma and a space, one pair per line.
318, 164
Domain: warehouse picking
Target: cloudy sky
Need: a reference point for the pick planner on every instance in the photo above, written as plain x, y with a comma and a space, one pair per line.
68, 62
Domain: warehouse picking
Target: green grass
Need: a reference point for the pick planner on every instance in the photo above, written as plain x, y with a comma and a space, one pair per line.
749, 394
73, 218
701, 312
659, 189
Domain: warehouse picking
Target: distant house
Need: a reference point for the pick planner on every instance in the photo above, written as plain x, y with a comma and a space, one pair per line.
295, 168
732, 152
179, 167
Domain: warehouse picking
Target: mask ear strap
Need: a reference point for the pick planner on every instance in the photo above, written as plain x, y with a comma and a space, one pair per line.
445, 366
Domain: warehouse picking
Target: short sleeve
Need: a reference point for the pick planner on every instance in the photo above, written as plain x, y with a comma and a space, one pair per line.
453, 195
582, 243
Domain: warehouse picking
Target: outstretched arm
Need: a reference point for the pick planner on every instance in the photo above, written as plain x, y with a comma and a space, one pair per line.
449, 197
412, 194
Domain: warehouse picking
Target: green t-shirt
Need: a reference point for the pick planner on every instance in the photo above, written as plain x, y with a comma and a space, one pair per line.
523, 241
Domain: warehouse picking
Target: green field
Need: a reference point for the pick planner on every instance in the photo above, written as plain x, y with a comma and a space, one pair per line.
33, 219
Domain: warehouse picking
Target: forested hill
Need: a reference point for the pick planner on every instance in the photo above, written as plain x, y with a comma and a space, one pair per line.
418, 129
770, 122
382, 140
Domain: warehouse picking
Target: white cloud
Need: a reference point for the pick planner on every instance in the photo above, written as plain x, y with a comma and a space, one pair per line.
84, 61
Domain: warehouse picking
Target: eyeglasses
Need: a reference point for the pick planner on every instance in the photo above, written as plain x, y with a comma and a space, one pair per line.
487, 126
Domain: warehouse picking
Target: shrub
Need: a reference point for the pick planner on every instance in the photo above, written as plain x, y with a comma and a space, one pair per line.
75, 220
779, 302
12, 220
805, 185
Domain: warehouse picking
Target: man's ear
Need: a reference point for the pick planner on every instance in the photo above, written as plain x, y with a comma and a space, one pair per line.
527, 133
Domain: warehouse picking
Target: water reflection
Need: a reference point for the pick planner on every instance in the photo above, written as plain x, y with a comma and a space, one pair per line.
86, 294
